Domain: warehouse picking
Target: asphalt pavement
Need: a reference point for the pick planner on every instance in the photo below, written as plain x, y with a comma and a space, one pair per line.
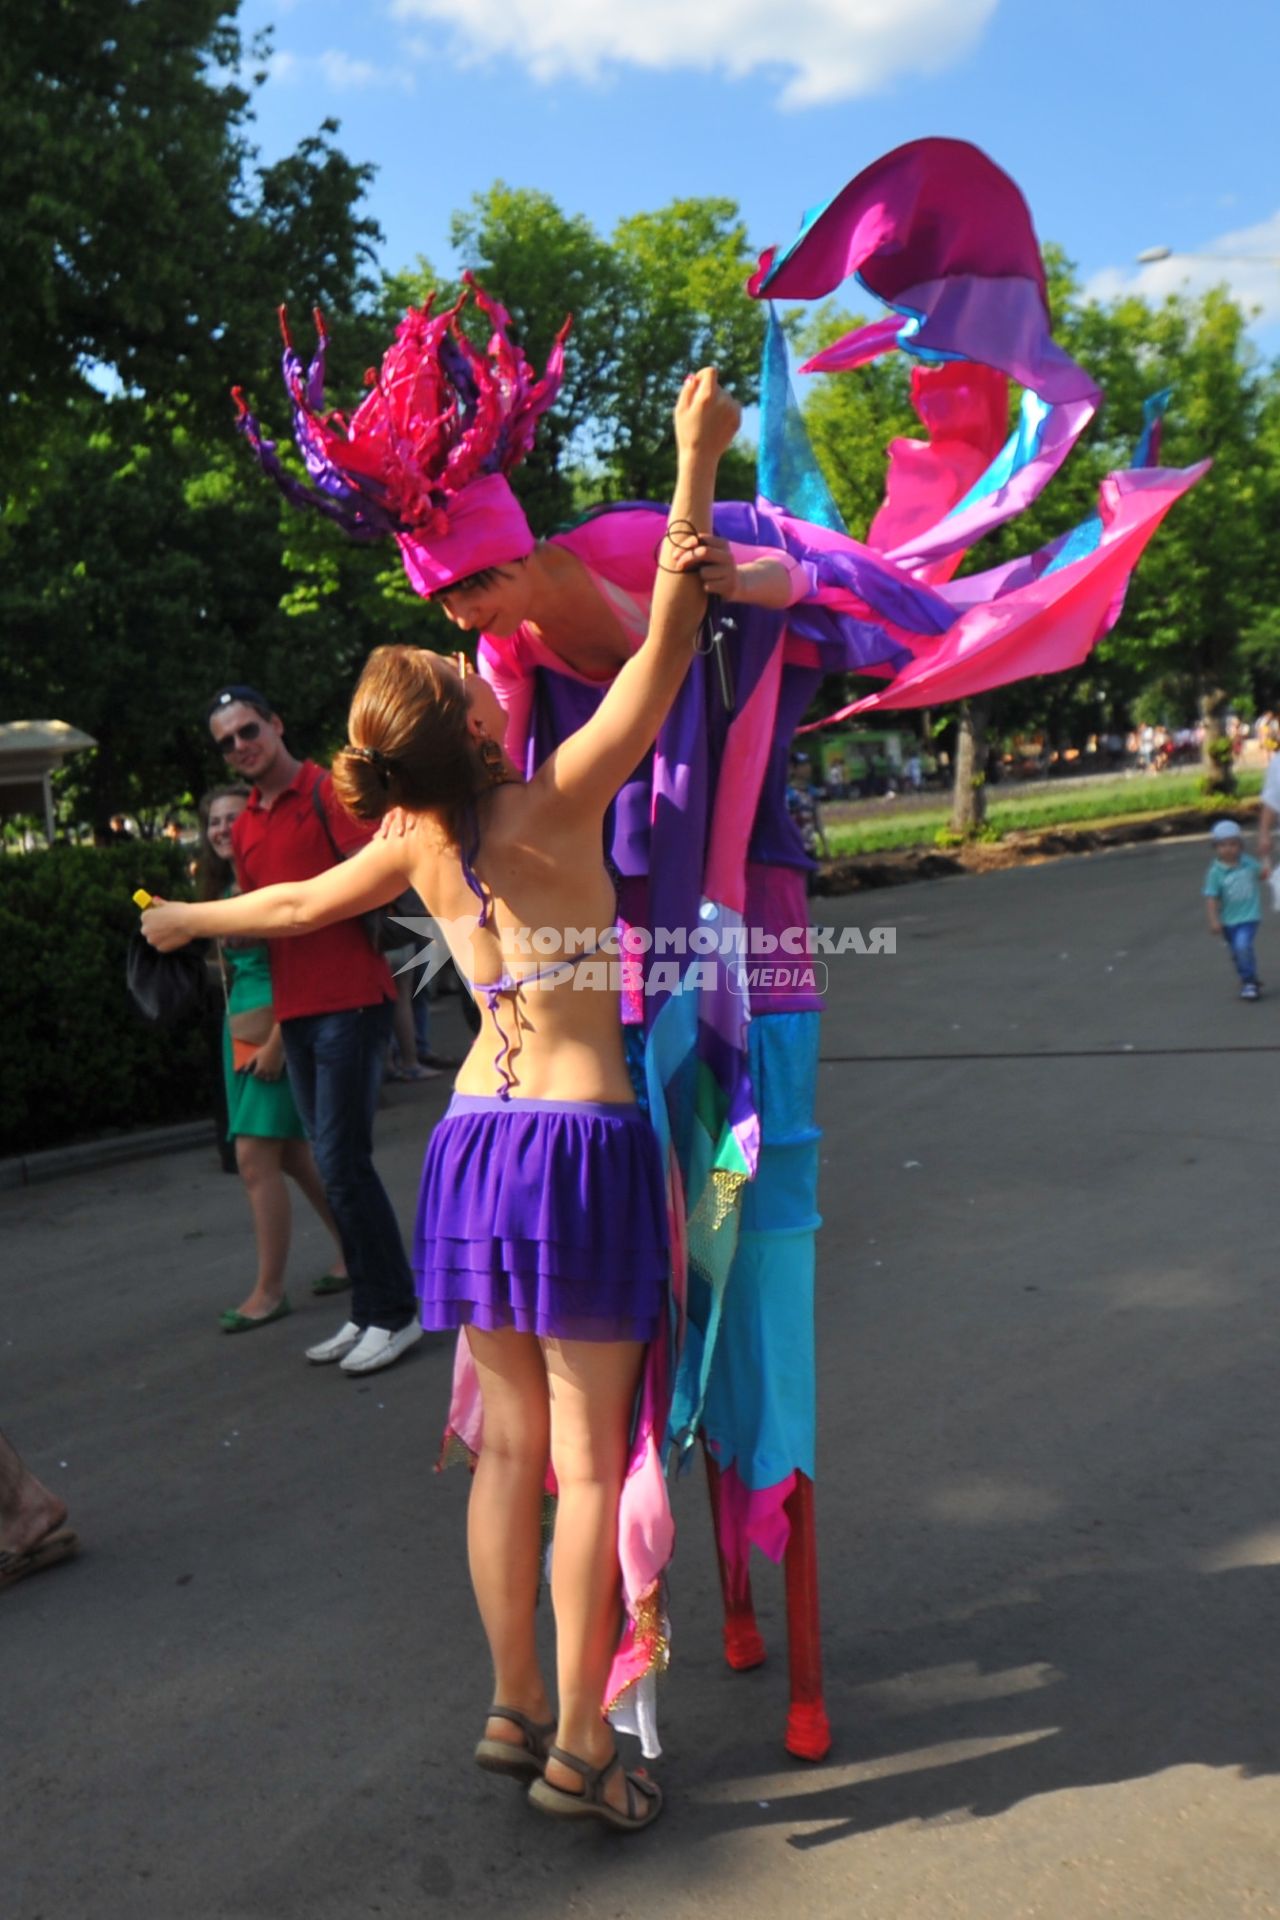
1048, 1512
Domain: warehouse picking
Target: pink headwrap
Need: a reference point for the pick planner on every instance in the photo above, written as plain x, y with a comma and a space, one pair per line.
486, 528
424, 456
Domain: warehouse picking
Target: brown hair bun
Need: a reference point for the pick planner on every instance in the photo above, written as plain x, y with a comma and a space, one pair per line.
409, 745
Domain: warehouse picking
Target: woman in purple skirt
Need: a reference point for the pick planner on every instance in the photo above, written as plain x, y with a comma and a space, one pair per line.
542, 1222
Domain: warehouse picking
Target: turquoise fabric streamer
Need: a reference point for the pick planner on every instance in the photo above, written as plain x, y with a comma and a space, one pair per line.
759, 1412
1085, 538
788, 473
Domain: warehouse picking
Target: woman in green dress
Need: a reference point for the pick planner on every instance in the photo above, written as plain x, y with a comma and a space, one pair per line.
263, 1121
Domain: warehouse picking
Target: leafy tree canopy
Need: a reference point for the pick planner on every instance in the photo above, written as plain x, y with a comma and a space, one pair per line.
143, 561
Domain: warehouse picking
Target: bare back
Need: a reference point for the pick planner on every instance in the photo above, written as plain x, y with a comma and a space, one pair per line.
549, 900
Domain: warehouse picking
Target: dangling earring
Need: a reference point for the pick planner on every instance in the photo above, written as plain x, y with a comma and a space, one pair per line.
492, 762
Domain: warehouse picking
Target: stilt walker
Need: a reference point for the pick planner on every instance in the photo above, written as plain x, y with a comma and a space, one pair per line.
701, 841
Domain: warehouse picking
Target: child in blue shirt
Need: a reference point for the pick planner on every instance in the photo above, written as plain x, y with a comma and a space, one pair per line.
1233, 901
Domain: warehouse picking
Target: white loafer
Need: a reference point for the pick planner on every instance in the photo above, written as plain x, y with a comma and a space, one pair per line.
336, 1349
378, 1347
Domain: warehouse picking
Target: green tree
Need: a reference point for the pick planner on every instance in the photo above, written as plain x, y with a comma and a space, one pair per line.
188, 572
149, 245
665, 294
142, 559
542, 265
1199, 627
683, 272
1204, 597
118, 169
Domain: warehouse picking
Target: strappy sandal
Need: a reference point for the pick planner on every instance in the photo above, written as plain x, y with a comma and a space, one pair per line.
523, 1761
59, 1544
644, 1796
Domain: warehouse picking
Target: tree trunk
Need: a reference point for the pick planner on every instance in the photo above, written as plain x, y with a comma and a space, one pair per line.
1217, 766
969, 794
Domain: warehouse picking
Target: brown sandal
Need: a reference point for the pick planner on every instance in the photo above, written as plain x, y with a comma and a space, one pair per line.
522, 1760
644, 1796
59, 1544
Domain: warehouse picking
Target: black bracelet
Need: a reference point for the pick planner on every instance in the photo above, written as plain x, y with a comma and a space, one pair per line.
683, 536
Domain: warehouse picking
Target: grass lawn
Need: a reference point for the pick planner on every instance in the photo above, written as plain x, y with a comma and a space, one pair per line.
1102, 801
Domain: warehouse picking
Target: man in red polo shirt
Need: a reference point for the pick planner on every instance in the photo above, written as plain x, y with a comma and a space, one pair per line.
333, 997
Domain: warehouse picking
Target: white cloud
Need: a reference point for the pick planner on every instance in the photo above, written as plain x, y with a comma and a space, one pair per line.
1254, 283
821, 50
338, 71
345, 74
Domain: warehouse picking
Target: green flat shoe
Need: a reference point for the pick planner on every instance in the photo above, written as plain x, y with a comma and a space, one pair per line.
233, 1321
331, 1283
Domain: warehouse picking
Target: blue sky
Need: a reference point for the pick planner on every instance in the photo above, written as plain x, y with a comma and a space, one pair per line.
1128, 124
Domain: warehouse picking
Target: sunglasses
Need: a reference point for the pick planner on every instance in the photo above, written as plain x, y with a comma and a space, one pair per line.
239, 737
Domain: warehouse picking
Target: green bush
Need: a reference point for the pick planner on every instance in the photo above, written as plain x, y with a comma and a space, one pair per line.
1055, 806
75, 1058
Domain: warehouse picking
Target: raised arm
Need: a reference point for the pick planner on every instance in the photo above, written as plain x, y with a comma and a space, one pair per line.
372, 878
590, 766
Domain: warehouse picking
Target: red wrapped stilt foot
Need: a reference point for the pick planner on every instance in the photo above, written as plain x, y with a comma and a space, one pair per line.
808, 1729
744, 1646
808, 1732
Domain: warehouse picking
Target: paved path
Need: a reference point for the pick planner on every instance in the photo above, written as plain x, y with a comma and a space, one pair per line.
1051, 1530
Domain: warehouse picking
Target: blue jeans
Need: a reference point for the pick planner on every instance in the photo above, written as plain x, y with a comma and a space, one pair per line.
335, 1071
1240, 941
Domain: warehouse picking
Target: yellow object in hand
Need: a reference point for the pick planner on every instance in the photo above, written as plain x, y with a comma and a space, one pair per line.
142, 898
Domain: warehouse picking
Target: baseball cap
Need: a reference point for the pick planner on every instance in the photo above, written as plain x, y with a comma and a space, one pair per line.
228, 697
1226, 830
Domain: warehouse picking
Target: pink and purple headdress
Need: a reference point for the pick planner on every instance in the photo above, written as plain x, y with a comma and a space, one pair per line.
424, 458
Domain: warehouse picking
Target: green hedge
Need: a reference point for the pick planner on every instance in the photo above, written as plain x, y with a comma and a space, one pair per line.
75, 1058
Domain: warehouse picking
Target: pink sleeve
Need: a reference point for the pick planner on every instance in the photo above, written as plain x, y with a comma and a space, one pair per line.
804, 580
511, 679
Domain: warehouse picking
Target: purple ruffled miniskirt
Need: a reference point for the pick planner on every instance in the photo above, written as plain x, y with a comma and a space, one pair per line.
548, 1216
